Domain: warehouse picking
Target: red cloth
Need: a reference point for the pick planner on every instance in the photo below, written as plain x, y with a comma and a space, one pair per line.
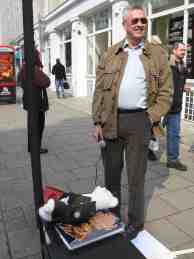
51, 192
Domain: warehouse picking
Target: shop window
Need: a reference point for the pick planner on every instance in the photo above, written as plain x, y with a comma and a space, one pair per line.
169, 28
66, 52
68, 57
101, 20
90, 25
67, 33
99, 38
158, 6
189, 107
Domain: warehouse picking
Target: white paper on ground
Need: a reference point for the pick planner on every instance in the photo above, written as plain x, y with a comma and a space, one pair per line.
183, 252
150, 247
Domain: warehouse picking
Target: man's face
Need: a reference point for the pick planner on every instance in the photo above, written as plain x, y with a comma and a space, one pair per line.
180, 51
135, 24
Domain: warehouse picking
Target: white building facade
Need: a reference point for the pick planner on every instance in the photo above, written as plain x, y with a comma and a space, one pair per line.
78, 32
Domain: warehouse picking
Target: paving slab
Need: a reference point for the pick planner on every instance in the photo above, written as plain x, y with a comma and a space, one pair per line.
15, 219
184, 221
175, 182
158, 209
24, 243
155, 187
167, 233
184, 246
4, 253
182, 199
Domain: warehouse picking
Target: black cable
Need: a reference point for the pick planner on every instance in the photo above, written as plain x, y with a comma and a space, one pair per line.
96, 169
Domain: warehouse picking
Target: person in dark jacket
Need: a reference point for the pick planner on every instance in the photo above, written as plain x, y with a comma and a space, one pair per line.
173, 118
60, 75
42, 101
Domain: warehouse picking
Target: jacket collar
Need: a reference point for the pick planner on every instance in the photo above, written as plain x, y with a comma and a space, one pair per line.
146, 49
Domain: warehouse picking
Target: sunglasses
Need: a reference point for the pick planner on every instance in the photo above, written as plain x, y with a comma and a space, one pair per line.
136, 20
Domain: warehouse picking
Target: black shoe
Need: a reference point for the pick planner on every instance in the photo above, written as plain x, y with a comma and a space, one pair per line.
43, 150
151, 155
176, 165
132, 230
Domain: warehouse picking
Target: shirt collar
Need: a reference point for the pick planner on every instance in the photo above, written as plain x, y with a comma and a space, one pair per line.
139, 46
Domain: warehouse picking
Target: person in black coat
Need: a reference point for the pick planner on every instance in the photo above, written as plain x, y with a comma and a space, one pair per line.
60, 75
42, 101
173, 118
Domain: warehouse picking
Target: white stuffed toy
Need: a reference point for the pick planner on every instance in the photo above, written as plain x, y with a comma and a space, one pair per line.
103, 198
77, 208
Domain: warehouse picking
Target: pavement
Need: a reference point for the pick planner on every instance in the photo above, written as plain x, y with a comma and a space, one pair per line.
70, 164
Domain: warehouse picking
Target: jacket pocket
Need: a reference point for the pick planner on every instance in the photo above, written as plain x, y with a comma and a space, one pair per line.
108, 80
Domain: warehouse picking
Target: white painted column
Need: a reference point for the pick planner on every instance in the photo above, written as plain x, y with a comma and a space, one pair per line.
118, 32
79, 57
185, 40
149, 34
54, 52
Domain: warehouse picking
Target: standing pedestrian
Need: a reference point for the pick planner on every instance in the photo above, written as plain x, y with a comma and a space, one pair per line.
43, 105
173, 118
60, 75
133, 90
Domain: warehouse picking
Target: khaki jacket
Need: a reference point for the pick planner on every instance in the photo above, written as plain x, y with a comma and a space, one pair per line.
108, 79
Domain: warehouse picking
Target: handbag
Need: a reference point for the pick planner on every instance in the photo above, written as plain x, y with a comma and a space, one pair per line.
40, 78
66, 85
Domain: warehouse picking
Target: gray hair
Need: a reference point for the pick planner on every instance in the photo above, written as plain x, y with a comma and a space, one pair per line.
132, 7
176, 45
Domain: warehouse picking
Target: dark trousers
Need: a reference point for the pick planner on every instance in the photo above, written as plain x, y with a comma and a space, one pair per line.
41, 125
134, 132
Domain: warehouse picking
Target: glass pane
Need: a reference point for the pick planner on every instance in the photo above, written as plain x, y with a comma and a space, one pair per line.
67, 33
101, 45
90, 57
169, 29
101, 20
68, 57
191, 1
160, 5
62, 52
90, 24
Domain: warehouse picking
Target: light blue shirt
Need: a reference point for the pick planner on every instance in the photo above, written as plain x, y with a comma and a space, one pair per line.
133, 89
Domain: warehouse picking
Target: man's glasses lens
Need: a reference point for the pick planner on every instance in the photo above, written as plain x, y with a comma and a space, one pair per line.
136, 20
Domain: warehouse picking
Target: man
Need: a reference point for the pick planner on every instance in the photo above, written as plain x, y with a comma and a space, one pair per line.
60, 75
133, 91
174, 116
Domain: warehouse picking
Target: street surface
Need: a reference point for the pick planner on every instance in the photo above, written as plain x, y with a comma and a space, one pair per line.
70, 164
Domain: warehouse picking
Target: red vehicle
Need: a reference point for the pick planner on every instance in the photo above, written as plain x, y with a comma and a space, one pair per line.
7, 74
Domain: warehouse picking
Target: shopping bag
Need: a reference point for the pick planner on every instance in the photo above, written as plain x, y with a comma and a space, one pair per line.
66, 85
